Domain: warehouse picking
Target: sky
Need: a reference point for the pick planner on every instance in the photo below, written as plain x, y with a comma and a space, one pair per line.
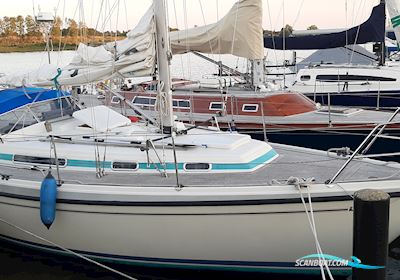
124, 14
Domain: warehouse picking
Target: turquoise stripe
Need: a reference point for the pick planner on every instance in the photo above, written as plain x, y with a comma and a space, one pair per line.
6, 157
87, 163
243, 166
395, 21
169, 165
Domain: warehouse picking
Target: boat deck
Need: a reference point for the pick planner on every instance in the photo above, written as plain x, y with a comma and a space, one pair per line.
292, 162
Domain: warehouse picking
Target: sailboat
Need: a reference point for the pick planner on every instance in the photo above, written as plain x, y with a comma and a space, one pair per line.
252, 106
373, 85
163, 194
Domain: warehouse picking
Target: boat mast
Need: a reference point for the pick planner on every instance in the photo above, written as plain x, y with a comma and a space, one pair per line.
382, 56
164, 57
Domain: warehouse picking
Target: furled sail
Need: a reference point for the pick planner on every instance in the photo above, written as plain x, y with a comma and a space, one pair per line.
372, 30
393, 7
238, 33
133, 57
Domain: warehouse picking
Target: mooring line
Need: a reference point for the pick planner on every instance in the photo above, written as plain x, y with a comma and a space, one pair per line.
67, 250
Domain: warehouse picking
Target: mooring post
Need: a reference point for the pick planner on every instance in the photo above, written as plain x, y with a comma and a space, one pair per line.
370, 233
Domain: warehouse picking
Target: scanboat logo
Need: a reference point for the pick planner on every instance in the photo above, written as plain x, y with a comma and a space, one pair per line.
331, 261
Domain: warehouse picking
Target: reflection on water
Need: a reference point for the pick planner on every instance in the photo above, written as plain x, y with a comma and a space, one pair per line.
20, 263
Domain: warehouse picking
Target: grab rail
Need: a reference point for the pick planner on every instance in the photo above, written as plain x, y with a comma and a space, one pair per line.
381, 127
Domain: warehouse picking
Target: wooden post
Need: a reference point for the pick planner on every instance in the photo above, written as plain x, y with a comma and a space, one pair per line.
370, 233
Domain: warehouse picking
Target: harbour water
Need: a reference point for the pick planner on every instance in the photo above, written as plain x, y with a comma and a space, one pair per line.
25, 264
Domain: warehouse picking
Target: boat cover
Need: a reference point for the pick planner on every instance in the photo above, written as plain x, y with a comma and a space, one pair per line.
239, 33
14, 98
372, 30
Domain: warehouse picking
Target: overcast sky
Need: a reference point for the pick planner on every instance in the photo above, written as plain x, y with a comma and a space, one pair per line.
126, 13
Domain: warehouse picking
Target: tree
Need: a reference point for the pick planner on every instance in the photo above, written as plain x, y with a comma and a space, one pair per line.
286, 31
312, 27
31, 28
2, 27
72, 28
20, 26
56, 29
10, 26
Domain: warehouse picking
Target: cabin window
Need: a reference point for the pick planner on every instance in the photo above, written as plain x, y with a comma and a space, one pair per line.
39, 160
347, 78
305, 78
197, 166
216, 106
183, 104
250, 107
148, 101
115, 100
121, 165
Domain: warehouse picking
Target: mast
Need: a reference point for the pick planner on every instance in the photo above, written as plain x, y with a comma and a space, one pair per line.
164, 56
382, 57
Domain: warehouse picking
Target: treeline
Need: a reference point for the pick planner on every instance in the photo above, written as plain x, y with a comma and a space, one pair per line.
286, 31
23, 32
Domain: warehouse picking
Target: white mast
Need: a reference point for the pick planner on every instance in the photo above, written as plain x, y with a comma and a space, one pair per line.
164, 56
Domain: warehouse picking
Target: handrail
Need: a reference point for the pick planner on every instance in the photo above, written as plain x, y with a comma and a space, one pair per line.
354, 154
132, 105
381, 128
380, 131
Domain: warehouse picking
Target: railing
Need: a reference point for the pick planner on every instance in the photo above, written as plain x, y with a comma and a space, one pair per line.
368, 142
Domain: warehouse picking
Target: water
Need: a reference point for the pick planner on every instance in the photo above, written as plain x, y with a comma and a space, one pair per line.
187, 66
19, 263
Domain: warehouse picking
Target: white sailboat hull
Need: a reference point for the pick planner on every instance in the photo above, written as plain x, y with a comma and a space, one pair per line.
266, 235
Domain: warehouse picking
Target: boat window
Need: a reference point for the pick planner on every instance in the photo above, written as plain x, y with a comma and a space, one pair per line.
216, 106
305, 77
115, 100
148, 101
39, 160
250, 107
181, 103
121, 165
197, 166
344, 77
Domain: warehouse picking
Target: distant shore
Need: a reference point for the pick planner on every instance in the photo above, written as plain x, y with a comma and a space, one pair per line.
34, 48
11, 44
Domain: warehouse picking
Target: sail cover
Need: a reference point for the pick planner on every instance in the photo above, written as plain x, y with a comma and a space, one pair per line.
372, 30
238, 33
131, 57
393, 7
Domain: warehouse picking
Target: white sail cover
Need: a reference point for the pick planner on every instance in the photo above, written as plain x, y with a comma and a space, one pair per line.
239, 33
131, 57
393, 7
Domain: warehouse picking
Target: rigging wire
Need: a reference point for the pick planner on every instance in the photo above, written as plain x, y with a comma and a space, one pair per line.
177, 26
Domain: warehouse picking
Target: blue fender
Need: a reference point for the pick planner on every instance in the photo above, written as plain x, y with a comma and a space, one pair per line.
48, 200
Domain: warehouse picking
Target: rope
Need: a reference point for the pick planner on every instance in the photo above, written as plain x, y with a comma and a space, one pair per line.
55, 79
311, 221
66, 249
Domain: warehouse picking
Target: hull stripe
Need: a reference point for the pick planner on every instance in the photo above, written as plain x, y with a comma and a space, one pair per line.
193, 203
250, 266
